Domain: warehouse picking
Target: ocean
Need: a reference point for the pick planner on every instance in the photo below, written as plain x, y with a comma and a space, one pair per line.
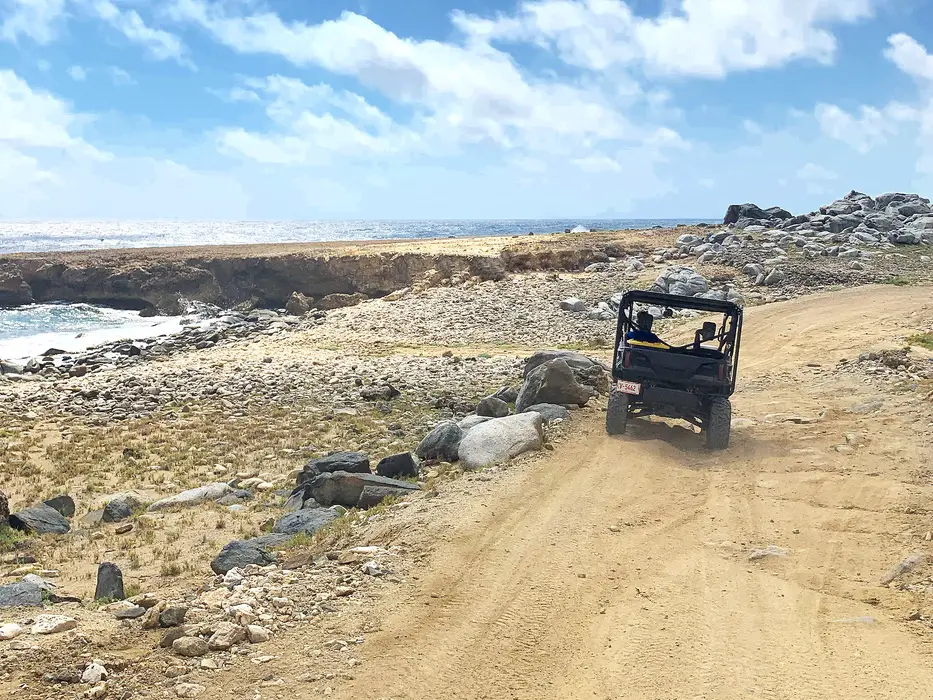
29, 331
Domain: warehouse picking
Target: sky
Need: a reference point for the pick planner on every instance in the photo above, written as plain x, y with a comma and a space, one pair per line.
425, 109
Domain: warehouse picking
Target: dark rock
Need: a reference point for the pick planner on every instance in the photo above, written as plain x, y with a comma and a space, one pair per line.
492, 407
508, 393
353, 462
172, 617
553, 382
396, 466
64, 504
576, 360
21, 594
240, 553
305, 522
339, 301
39, 520
130, 613
372, 496
379, 392
120, 508
441, 443
778, 213
109, 583
549, 411
296, 501
11, 368
743, 211
4, 509
343, 488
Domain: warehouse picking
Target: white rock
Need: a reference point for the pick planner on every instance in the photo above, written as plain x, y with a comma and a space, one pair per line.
52, 624
257, 634
10, 631
94, 673
243, 614
211, 492
188, 690
233, 577
501, 439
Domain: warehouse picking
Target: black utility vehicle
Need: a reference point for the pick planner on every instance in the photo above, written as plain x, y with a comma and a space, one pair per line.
692, 382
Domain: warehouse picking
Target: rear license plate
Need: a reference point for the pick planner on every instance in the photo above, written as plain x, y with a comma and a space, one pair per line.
633, 388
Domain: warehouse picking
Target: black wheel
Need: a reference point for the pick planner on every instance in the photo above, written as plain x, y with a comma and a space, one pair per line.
617, 413
718, 423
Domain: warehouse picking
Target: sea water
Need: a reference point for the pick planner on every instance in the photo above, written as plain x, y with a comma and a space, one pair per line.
31, 330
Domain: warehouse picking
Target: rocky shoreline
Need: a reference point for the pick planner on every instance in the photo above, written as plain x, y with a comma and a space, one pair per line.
189, 502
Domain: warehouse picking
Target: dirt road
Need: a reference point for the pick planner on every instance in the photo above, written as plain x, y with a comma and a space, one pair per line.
620, 568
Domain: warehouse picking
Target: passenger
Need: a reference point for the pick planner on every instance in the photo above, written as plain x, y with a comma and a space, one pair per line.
642, 335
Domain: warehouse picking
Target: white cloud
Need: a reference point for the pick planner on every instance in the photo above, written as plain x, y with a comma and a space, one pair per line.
708, 38
158, 43
911, 57
77, 73
120, 76
469, 94
598, 164
812, 171
868, 128
36, 19
308, 130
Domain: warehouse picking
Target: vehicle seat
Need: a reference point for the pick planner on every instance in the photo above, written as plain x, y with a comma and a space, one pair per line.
644, 344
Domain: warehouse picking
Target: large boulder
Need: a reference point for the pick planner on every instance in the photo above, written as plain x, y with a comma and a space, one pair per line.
492, 407
109, 582
549, 411
298, 304
501, 439
441, 443
242, 553
576, 360
744, 211
305, 522
192, 497
552, 382
778, 213
64, 504
121, 508
400, 465
682, 281
345, 489
352, 462
14, 291
20, 595
39, 520
339, 301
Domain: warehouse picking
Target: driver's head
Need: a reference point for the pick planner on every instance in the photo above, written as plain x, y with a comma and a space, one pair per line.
644, 321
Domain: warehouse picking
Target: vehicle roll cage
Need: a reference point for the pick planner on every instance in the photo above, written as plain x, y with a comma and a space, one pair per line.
728, 336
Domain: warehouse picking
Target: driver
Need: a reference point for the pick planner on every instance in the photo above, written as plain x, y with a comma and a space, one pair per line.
641, 335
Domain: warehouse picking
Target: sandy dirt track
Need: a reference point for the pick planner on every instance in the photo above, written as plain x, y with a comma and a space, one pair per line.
619, 567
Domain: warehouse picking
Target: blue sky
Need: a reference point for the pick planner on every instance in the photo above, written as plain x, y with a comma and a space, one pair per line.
303, 109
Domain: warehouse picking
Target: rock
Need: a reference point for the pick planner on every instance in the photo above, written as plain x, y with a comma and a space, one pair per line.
132, 613
64, 504
121, 508
774, 277
123, 529
778, 213
39, 520
298, 304
339, 301
501, 439
226, 634
352, 462
345, 489
743, 211
577, 361
468, 423
92, 518
242, 553
372, 496
682, 281
905, 566
573, 304
552, 382
4, 509
379, 392
188, 690
53, 624
109, 582
191, 497
172, 634
549, 411
10, 631
441, 443
95, 672
190, 647
257, 634
21, 594
305, 521
172, 617
508, 393
400, 465
492, 407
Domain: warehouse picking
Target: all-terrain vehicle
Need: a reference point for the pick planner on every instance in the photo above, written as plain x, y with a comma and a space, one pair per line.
692, 382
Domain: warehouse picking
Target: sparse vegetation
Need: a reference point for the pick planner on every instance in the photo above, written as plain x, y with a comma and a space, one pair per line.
924, 340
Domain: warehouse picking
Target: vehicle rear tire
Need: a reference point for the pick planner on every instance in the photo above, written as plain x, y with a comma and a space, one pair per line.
719, 423
617, 413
